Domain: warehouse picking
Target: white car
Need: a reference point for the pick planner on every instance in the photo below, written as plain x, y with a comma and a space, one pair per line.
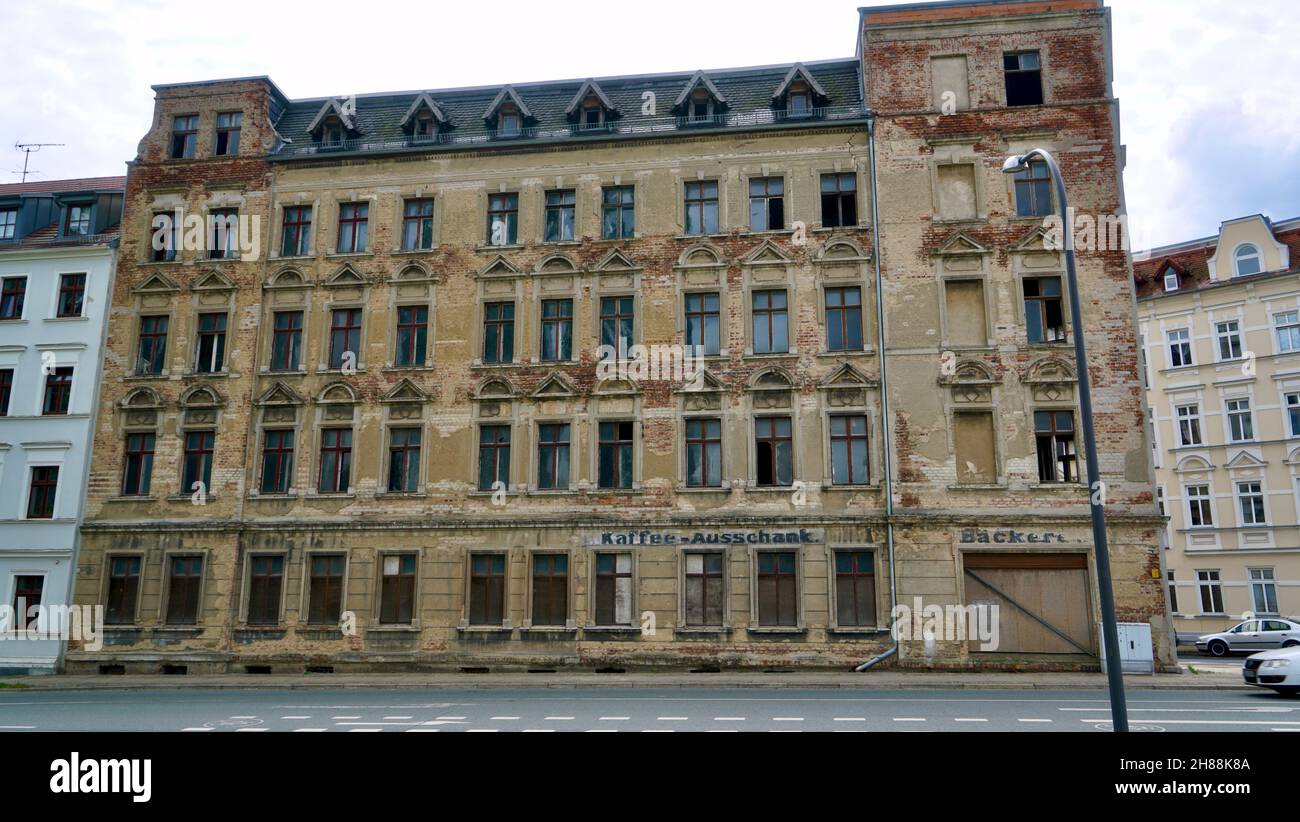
1279, 670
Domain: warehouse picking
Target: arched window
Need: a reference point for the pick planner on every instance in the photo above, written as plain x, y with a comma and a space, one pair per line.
1247, 260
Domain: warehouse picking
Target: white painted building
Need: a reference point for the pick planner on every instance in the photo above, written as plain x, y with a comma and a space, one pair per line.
58, 243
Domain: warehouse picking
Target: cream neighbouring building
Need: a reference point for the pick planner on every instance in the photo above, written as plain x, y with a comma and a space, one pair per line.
472, 248
1220, 322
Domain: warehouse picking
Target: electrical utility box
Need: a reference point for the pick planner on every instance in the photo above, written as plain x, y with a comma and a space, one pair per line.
1136, 653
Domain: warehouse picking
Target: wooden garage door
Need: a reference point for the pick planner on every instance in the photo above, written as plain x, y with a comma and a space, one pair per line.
1042, 599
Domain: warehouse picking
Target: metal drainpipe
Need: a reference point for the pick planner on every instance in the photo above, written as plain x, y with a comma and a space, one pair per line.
886, 450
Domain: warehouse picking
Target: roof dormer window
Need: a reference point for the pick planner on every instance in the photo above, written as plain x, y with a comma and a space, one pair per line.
508, 121
590, 109
1247, 260
593, 113
701, 106
8, 223
331, 132
425, 127
1171, 278
76, 221
424, 120
799, 102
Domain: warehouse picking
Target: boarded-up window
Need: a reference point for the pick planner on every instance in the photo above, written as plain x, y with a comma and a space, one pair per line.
487, 589
957, 192
614, 589
266, 575
397, 592
777, 589
950, 87
976, 460
964, 301
550, 589
855, 589
325, 597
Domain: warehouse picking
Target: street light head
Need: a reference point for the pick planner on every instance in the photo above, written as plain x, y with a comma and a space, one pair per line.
1014, 163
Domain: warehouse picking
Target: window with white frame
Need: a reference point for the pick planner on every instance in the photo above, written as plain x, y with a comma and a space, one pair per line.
1189, 424
1250, 499
1229, 336
1210, 588
1180, 347
1247, 260
1293, 414
1287, 324
1263, 591
1241, 425
1171, 279
1200, 508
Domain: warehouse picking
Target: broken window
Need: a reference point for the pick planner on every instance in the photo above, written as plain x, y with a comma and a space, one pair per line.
976, 453
849, 450
183, 584
498, 332
229, 124
839, 200
949, 84
778, 604
615, 454
1024, 78
325, 599
704, 589
767, 204
210, 354
855, 589
487, 589
553, 456
1044, 310
123, 588
266, 577
185, 134
560, 210
493, 457
774, 451
550, 589
397, 590
1057, 458
503, 219
613, 589
703, 453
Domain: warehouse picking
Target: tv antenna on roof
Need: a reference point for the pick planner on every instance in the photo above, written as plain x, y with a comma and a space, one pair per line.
27, 149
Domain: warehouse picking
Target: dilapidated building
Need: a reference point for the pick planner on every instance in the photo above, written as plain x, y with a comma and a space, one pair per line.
589, 372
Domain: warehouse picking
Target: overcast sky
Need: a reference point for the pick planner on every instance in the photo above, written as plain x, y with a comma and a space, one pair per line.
1207, 89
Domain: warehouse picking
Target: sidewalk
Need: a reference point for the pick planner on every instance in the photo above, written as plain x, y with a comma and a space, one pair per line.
1214, 679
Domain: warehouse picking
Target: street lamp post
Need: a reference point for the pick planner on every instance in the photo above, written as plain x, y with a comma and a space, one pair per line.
1096, 492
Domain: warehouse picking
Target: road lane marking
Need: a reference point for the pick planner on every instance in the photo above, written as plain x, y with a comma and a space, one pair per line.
1199, 721
310, 730
397, 717
787, 719
364, 730
559, 719
969, 719
23, 727
728, 719
909, 719
601, 730
504, 718
482, 730
451, 717
251, 730
424, 730
658, 731
1033, 720
615, 718
539, 730
849, 719
673, 718
295, 717
346, 717
243, 717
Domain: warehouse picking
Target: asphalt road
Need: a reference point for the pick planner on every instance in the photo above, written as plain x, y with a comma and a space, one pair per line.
640, 709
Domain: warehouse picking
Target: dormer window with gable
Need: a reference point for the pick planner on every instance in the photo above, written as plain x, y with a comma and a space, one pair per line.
700, 103
590, 109
1247, 260
334, 124
331, 132
1170, 278
799, 101
507, 116
424, 120
508, 121
799, 94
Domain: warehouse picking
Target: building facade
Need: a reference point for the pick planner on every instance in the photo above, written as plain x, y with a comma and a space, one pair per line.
57, 247
436, 411
1221, 334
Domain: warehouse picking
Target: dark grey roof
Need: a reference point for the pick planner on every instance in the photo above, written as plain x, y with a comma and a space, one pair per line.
379, 117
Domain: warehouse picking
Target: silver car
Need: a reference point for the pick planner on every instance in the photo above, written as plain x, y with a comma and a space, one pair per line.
1251, 636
